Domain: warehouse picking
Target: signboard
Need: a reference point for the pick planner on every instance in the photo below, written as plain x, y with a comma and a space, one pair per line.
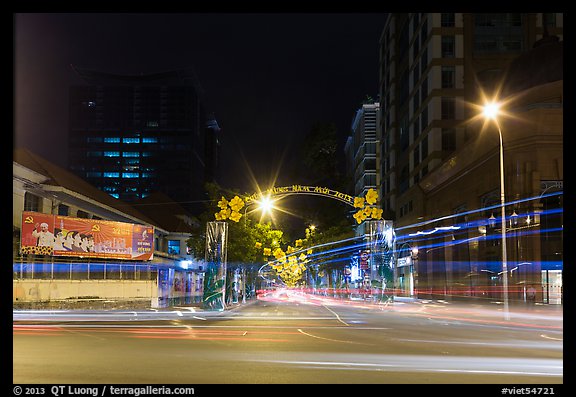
58, 235
300, 189
364, 256
405, 261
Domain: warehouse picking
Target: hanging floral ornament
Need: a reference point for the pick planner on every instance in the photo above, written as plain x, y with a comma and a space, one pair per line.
371, 196
229, 209
367, 207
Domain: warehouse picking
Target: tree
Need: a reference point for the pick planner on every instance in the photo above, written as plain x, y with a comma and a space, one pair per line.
242, 235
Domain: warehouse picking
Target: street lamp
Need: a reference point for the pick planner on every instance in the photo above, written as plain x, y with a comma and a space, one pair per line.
491, 111
265, 204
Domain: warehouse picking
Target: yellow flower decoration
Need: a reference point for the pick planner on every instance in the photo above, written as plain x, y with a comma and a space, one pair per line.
367, 212
302, 257
258, 245
298, 243
235, 216
377, 213
358, 202
371, 196
267, 251
223, 215
236, 203
278, 253
358, 216
223, 203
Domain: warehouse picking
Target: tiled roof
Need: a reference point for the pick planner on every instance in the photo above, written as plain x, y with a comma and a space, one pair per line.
167, 213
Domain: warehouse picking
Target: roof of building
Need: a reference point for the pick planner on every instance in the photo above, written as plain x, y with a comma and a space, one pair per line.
542, 64
167, 213
58, 176
173, 77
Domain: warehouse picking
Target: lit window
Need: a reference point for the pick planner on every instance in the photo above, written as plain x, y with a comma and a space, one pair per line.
115, 195
129, 175
130, 154
150, 140
174, 247
111, 154
131, 140
111, 174
112, 140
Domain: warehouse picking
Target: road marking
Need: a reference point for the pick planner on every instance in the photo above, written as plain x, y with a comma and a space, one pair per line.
337, 316
549, 337
199, 318
400, 367
333, 340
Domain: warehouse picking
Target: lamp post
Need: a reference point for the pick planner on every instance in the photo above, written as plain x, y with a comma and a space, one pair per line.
491, 111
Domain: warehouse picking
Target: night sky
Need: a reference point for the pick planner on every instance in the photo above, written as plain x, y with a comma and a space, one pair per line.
267, 77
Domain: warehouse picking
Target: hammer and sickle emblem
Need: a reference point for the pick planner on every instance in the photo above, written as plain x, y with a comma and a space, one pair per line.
29, 219
95, 228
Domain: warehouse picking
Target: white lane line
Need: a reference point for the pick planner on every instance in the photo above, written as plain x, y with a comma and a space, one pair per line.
337, 316
199, 318
549, 337
409, 368
333, 340
137, 326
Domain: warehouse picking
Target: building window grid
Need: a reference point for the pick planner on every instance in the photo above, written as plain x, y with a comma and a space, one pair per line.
448, 19
448, 76
448, 46
32, 202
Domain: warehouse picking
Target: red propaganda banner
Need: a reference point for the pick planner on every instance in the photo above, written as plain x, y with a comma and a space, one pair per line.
37, 233
88, 238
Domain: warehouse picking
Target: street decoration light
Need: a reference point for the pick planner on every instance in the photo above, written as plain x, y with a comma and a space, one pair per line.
491, 110
229, 209
291, 264
265, 204
367, 207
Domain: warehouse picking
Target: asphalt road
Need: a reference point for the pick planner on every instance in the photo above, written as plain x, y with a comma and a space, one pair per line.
289, 337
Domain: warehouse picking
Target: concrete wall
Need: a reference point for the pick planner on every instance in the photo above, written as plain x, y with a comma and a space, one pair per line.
45, 290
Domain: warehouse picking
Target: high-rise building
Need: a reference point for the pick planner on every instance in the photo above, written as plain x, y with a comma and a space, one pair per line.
432, 66
436, 163
131, 135
361, 150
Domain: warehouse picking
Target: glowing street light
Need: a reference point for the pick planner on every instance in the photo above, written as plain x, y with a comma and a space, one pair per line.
266, 205
491, 110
